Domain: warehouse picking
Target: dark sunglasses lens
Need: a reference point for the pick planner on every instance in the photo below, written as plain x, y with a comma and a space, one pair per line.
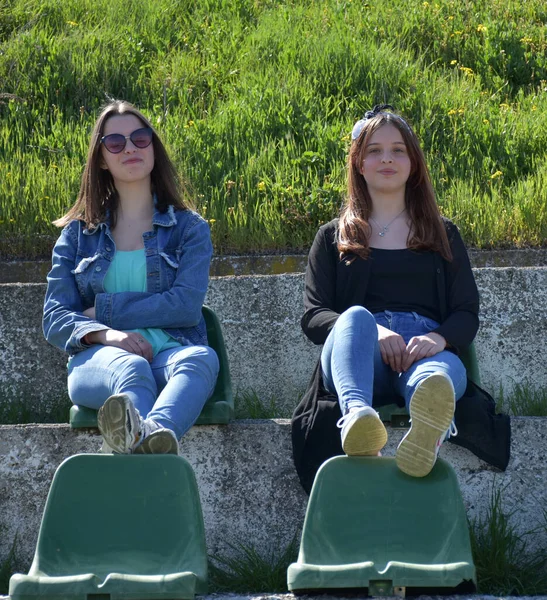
114, 143
142, 138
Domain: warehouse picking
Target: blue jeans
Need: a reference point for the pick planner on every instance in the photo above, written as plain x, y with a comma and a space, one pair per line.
353, 368
185, 377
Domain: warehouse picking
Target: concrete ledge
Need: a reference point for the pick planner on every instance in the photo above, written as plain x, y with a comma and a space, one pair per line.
352, 597
249, 489
268, 352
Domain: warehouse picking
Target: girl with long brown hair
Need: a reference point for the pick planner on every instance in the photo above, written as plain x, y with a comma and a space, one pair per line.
391, 295
126, 288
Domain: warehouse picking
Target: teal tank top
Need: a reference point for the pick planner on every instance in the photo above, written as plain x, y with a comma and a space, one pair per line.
127, 273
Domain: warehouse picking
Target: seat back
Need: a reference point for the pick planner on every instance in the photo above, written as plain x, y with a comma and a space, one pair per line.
367, 521
122, 514
219, 408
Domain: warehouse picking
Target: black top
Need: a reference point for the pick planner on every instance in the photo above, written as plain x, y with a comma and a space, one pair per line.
402, 281
334, 285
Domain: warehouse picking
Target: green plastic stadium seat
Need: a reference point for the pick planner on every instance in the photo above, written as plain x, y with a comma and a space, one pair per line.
398, 415
220, 406
119, 527
368, 525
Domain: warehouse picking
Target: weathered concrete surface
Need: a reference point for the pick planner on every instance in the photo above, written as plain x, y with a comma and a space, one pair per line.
268, 352
352, 597
35, 271
249, 489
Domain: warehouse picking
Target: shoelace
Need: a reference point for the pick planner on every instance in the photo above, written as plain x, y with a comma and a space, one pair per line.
342, 420
452, 431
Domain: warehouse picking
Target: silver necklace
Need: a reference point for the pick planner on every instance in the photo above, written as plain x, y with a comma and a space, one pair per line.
385, 228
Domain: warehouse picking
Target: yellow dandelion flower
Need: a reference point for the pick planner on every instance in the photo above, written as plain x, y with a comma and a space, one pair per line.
534, 107
458, 33
496, 175
486, 121
481, 28
261, 186
467, 70
453, 62
211, 221
72, 23
425, 4
504, 106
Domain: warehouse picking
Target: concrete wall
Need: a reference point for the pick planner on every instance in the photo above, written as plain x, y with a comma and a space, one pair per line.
249, 489
268, 353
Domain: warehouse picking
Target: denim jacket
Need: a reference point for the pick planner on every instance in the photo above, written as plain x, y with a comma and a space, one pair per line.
178, 252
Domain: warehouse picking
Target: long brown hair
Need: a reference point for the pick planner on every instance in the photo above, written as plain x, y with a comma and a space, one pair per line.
427, 231
98, 197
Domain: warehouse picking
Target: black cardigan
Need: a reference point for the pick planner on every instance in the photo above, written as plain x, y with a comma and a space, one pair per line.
333, 286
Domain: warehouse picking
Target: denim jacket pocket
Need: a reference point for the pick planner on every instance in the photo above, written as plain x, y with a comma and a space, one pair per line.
83, 273
170, 266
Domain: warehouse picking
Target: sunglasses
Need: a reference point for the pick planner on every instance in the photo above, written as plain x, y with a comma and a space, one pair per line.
116, 142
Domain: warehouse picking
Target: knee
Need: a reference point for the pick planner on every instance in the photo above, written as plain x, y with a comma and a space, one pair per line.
202, 358
207, 356
136, 364
358, 317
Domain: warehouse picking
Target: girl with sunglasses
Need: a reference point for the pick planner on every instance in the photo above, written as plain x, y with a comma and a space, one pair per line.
391, 296
126, 288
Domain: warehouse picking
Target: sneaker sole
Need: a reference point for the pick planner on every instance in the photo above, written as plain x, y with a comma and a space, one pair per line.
112, 419
366, 437
431, 410
158, 442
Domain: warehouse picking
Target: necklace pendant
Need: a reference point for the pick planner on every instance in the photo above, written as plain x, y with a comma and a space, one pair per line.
382, 233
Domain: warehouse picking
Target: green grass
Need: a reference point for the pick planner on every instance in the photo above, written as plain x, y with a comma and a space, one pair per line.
20, 412
256, 99
524, 401
505, 566
248, 405
250, 572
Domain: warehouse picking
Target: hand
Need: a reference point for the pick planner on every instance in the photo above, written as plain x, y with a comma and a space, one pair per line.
128, 341
89, 312
392, 348
422, 346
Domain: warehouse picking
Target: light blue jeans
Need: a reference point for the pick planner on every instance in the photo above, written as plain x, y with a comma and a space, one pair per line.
185, 377
353, 368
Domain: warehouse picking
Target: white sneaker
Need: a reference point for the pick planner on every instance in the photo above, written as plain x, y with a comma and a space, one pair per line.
431, 409
120, 424
159, 441
363, 433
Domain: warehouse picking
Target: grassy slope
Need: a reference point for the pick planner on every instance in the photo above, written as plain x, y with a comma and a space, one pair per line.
256, 98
